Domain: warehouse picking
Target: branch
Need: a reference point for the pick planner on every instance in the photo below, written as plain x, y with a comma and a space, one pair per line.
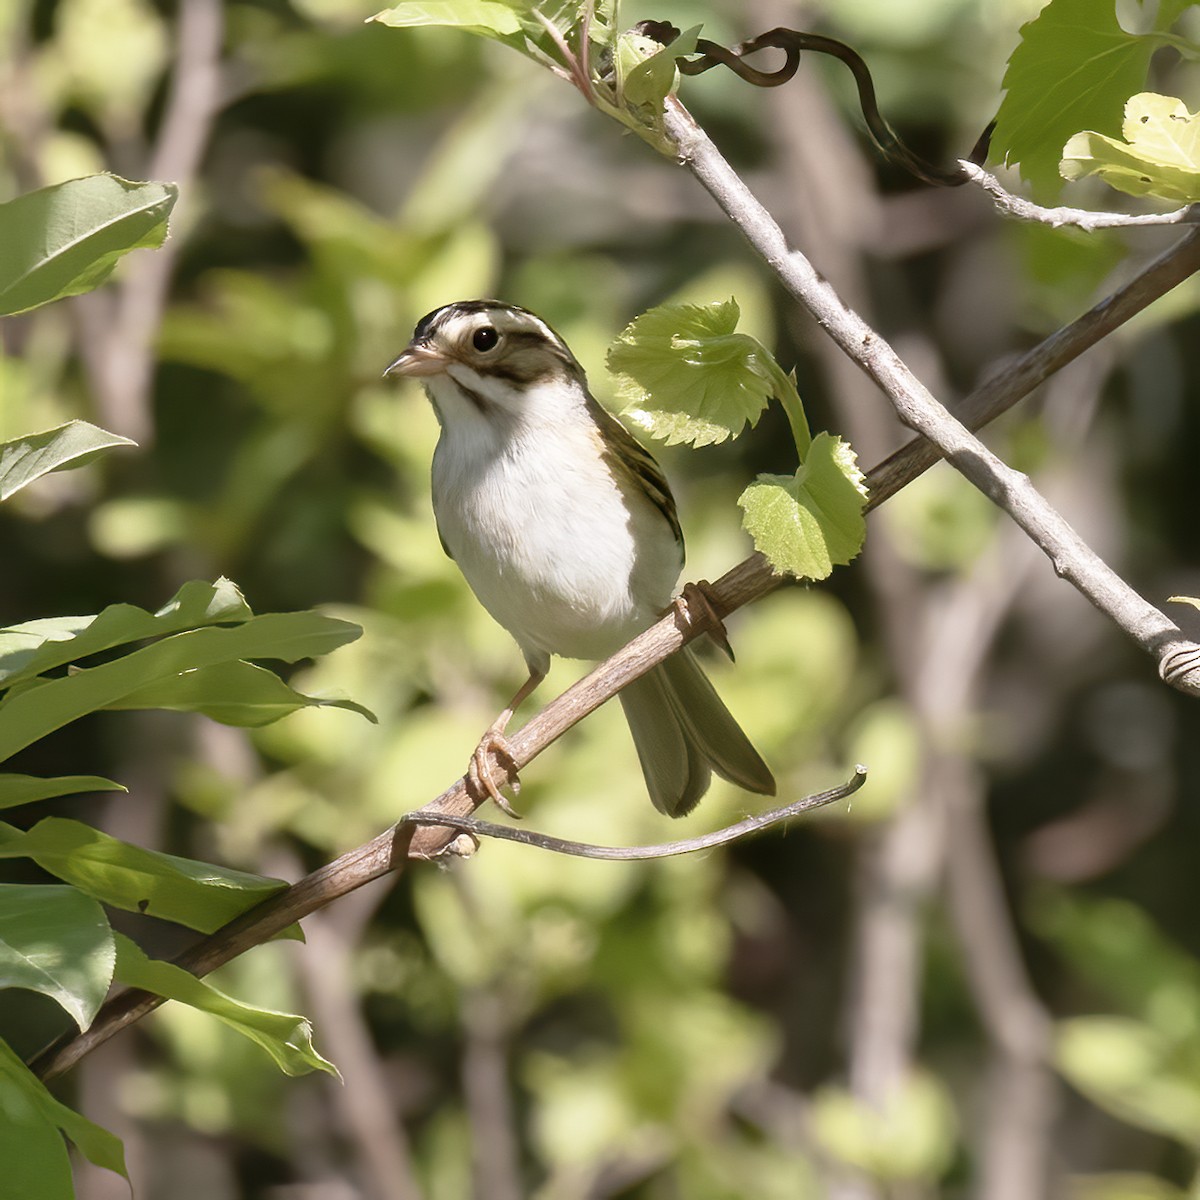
390, 851
705, 841
118, 332
748, 581
1033, 368
1178, 658
1026, 210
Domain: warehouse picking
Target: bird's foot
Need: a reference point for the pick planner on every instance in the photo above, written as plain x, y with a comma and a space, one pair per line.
479, 771
696, 605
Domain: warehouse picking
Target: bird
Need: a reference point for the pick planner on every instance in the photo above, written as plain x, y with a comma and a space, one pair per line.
566, 531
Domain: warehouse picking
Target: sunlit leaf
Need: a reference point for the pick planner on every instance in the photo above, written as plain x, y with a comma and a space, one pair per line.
1160, 155
66, 239
685, 374
57, 941
1074, 69
196, 894
33, 647
234, 693
74, 444
810, 522
1123, 1185
1135, 1072
31, 1147
286, 1037
25, 789
47, 705
909, 1137
646, 71
489, 18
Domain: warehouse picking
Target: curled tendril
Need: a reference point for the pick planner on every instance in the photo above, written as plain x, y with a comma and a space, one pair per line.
792, 43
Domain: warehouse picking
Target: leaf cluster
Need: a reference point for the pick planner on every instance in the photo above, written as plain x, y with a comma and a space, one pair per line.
194, 654
686, 375
1068, 91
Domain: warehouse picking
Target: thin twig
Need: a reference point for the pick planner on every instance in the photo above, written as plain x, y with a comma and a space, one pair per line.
705, 841
1178, 658
1079, 218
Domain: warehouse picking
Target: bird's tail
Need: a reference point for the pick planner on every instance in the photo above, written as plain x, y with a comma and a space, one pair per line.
683, 732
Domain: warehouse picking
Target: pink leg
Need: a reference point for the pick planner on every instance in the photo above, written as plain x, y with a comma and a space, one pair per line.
493, 742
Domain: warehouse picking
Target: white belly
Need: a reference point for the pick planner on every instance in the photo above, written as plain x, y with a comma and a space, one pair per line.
557, 556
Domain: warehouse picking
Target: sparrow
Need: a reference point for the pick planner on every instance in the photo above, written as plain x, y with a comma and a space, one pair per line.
566, 531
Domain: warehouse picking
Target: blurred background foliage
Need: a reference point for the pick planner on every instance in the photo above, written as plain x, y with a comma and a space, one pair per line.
981, 979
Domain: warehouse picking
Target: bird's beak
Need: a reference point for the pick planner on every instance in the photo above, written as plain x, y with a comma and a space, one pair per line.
417, 359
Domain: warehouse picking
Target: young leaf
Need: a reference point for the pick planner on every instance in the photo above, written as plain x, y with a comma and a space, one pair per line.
74, 444
57, 941
809, 523
511, 22
63, 240
31, 1149
235, 693
646, 71
36, 646
196, 894
32, 713
487, 18
1073, 69
685, 375
25, 789
285, 1037
1160, 155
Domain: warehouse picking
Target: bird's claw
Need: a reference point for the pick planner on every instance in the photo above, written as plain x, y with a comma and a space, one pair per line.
696, 606
479, 771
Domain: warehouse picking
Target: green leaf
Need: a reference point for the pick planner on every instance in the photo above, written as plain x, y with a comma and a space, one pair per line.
34, 1156
1134, 1072
32, 713
74, 444
911, 1137
287, 1038
1160, 155
1073, 69
196, 894
25, 789
646, 71
511, 22
63, 240
809, 523
488, 18
685, 375
36, 646
235, 693
1123, 1185
57, 941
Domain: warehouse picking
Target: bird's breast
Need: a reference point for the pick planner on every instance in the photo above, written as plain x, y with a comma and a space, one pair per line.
547, 540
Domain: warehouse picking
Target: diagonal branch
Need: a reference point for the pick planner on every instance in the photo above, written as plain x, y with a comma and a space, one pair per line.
1019, 378
1178, 658
748, 581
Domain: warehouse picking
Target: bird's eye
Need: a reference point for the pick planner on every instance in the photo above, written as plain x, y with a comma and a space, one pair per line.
485, 338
